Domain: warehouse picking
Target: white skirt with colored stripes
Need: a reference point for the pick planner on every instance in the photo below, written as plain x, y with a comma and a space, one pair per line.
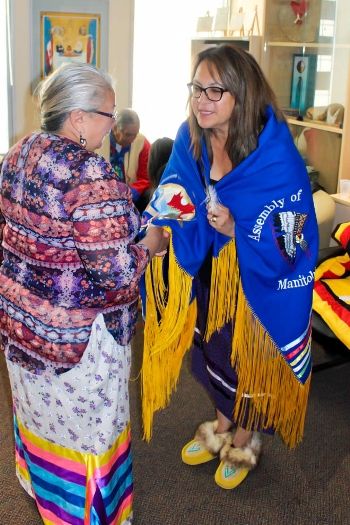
72, 436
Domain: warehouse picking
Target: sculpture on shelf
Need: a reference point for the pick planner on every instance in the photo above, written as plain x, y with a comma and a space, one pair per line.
299, 20
300, 10
332, 114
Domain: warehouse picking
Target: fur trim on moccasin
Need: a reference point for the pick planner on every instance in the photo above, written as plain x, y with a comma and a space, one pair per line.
206, 433
242, 457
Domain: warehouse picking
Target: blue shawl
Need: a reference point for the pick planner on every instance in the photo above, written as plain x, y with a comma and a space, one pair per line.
263, 279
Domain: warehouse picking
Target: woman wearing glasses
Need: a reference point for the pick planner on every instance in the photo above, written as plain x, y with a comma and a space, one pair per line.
237, 200
68, 304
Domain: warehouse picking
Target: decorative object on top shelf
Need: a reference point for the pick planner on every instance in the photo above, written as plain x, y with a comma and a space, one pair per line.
303, 82
246, 22
230, 21
251, 20
299, 20
300, 10
332, 114
320, 30
204, 23
236, 23
221, 19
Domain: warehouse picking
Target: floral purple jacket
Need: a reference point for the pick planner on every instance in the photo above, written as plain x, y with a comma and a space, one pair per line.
69, 251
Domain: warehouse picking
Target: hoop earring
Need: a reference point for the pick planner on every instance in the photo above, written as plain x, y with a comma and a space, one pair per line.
82, 141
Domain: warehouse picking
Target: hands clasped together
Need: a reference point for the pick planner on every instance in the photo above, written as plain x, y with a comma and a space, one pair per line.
156, 240
220, 218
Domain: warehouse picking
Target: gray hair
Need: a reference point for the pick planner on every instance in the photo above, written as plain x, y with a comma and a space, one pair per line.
71, 86
125, 117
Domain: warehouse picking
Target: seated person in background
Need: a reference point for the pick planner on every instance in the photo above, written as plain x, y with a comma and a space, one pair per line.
129, 151
158, 157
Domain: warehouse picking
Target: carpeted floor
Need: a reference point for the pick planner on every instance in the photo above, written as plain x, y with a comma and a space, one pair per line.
307, 486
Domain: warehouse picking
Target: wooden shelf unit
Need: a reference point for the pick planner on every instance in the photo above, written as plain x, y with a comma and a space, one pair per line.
324, 34
326, 146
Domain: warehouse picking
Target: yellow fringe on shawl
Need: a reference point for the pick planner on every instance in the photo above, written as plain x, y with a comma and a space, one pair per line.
223, 289
165, 341
276, 398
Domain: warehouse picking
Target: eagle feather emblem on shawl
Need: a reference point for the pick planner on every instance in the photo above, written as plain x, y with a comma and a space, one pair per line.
288, 227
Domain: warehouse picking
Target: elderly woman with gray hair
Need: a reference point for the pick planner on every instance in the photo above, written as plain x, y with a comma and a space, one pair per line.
68, 303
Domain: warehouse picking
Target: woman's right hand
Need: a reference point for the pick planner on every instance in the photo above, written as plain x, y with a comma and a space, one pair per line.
156, 240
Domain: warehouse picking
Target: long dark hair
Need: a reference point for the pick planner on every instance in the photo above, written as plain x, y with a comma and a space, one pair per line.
240, 74
158, 157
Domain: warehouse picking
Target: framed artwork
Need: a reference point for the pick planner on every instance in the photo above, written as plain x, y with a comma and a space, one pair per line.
66, 31
69, 37
303, 82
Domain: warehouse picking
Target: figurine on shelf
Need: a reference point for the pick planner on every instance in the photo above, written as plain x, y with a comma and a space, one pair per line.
332, 114
299, 21
300, 10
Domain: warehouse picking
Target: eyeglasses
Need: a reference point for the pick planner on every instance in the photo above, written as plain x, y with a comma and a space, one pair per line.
213, 93
113, 116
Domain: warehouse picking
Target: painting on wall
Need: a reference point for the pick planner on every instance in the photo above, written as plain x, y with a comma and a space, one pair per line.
69, 37
66, 31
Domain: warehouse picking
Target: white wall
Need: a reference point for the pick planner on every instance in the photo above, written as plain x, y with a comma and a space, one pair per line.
163, 32
120, 55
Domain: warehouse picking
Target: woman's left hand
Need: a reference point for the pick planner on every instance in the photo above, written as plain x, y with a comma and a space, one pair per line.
221, 220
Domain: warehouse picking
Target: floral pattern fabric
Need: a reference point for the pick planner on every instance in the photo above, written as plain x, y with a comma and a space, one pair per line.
72, 435
85, 408
69, 252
